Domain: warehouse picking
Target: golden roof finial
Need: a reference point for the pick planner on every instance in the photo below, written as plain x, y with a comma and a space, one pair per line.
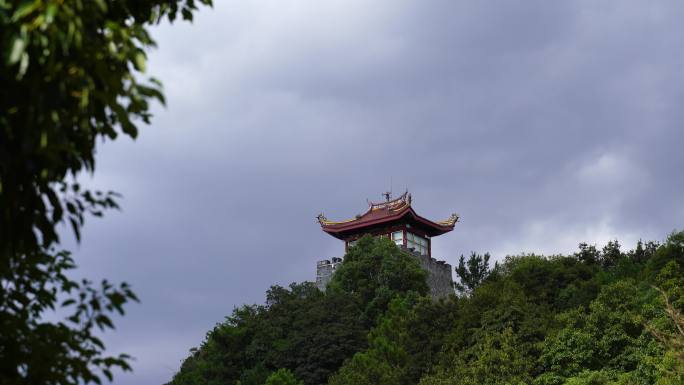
321, 218
451, 221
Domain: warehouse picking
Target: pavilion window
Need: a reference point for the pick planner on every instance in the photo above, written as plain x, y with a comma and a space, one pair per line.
398, 237
417, 243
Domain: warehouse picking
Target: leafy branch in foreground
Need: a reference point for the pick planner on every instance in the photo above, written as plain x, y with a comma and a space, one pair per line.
66, 352
71, 74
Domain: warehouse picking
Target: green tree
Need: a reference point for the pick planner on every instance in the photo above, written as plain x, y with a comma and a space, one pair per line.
589, 377
494, 338
309, 332
386, 360
403, 345
559, 282
533, 320
223, 355
669, 329
71, 75
301, 329
374, 272
588, 254
611, 254
472, 273
282, 377
493, 360
608, 337
643, 252
671, 250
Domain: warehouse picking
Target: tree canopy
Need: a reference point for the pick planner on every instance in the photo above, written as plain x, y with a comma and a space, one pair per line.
301, 329
374, 272
472, 273
600, 316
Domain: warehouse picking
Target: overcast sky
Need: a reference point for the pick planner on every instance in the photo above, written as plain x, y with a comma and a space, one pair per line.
543, 124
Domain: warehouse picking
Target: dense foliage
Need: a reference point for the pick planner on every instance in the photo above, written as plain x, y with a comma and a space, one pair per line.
599, 316
302, 329
71, 75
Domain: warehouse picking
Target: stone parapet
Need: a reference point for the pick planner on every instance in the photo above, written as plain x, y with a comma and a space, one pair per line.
325, 270
439, 277
439, 280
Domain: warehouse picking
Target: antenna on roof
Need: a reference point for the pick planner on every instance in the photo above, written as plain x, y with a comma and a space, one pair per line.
388, 194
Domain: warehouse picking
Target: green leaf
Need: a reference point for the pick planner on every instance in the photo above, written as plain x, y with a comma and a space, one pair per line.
23, 65
18, 47
50, 13
126, 125
104, 321
25, 8
76, 228
68, 302
108, 374
84, 98
102, 5
43, 139
140, 61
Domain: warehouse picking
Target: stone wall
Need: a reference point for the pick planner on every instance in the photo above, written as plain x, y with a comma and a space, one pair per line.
439, 274
439, 278
325, 270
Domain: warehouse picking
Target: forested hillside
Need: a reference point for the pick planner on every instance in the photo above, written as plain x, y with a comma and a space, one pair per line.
599, 316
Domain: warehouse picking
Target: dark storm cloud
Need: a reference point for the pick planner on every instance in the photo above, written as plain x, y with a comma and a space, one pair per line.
543, 124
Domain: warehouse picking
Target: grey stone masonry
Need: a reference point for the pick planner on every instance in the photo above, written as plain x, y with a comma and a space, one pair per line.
439, 278
324, 271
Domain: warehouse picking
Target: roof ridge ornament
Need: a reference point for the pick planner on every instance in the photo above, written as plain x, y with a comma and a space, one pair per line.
321, 219
451, 221
404, 198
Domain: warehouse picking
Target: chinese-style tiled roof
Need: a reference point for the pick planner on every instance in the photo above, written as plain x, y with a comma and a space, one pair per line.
384, 213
